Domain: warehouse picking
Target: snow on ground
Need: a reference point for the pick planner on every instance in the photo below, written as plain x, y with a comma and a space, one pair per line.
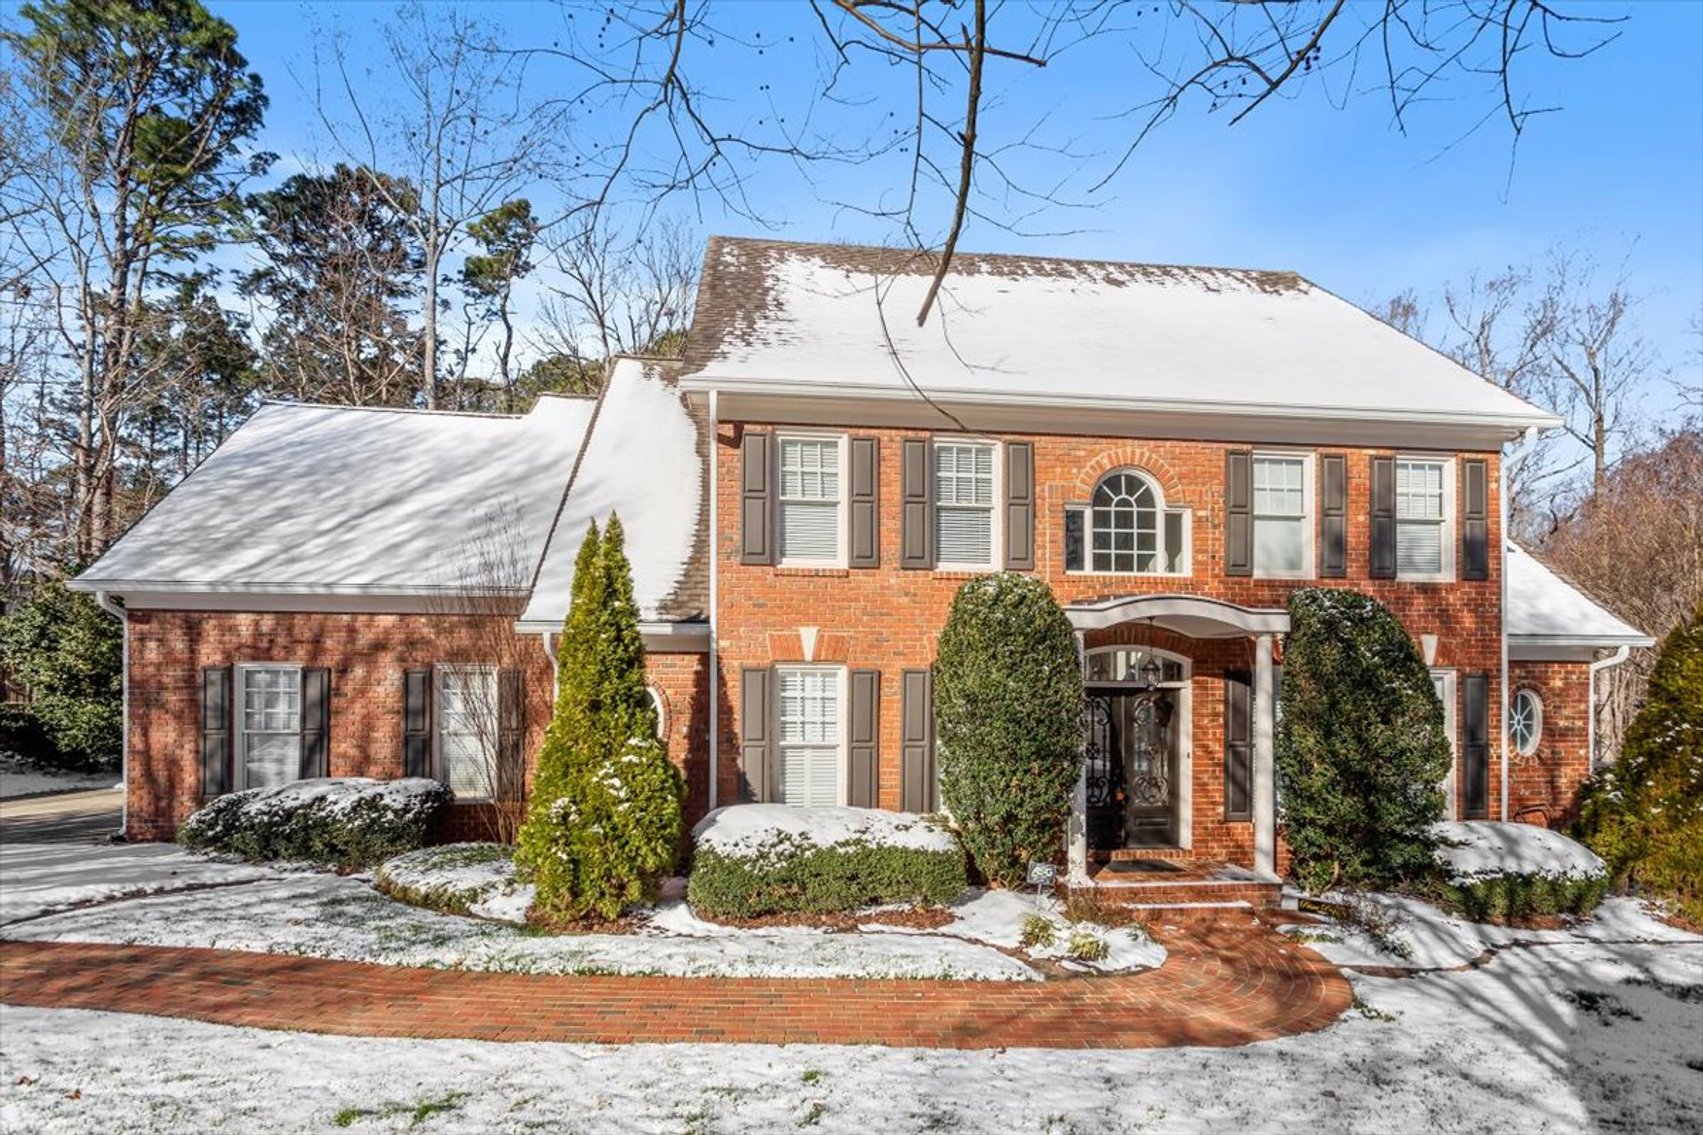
20, 778
40, 877
1477, 849
1562, 1038
996, 917
1439, 940
748, 829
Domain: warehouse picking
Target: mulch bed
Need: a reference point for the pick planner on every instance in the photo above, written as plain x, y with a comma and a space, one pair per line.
915, 918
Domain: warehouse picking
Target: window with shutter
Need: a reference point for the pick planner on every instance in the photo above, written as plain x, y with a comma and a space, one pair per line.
467, 729
1282, 505
963, 505
1423, 531
269, 725
810, 739
810, 500
1126, 529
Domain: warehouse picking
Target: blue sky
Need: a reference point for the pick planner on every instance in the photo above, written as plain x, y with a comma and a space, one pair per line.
1336, 194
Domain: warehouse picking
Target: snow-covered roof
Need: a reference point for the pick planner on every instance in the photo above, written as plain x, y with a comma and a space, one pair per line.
644, 460
1544, 609
342, 500
833, 320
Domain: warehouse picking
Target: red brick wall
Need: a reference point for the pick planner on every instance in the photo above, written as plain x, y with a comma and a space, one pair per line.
366, 654
1543, 786
889, 618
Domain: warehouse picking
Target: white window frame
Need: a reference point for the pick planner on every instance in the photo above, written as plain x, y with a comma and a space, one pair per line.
660, 705
1309, 512
1447, 525
841, 746
1527, 750
996, 541
1185, 555
239, 774
1445, 675
842, 511
493, 742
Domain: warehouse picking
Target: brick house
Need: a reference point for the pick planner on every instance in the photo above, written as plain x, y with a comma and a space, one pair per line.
1173, 450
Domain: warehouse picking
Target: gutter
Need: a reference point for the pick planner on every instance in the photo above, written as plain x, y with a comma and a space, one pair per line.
116, 609
1614, 659
715, 558
1521, 452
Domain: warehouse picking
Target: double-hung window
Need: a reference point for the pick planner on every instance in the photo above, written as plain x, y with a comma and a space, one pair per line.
963, 504
1423, 538
467, 730
810, 735
1282, 544
810, 499
269, 745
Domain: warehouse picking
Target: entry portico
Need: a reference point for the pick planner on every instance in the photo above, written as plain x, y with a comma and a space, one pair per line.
1142, 659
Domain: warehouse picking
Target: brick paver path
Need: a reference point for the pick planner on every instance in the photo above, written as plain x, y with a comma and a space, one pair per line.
1228, 981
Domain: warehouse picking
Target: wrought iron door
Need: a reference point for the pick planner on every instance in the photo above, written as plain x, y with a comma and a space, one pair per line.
1128, 746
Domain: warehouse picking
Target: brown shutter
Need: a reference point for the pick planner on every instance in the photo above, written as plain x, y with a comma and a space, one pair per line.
417, 723
864, 737
1383, 564
916, 508
511, 733
1475, 749
916, 742
1238, 512
215, 730
757, 734
1333, 516
756, 498
1019, 506
1475, 519
1238, 745
316, 722
865, 503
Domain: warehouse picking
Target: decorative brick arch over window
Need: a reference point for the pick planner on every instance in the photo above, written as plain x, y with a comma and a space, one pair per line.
1123, 525
1135, 459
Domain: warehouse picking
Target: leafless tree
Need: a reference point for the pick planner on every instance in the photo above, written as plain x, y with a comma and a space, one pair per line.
459, 131
933, 81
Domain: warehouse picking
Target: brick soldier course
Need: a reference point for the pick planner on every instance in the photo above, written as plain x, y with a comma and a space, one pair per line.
1228, 980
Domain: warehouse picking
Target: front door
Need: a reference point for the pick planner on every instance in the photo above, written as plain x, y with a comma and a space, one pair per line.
1130, 747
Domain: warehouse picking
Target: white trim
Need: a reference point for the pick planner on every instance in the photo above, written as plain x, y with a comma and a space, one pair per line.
1447, 533
1227, 620
239, 704
1530, 746
660, 705
170, 598
1597, 665
710, 642
1309, 511
996, 530
1265, 766
842, 759
216, 587
842, 507
1450, 697
439, 669
117, 611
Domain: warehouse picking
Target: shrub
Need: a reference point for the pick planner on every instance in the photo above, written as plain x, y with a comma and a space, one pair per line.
1036, 932
1644, 813
23, 734
70, 654
1007, 710
347, 822
1511, 871
457, 878
1086, 945
603, 827
751, 860
1360, 747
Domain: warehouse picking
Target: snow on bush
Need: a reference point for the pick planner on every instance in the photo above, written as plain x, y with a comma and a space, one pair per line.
347, 821
458, 878
1504, 870
755, 859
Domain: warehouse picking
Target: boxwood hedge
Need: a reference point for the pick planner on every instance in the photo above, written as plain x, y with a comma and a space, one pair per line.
345, 822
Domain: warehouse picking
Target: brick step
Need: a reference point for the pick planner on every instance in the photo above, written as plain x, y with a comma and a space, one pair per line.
1258, 894
1124, 853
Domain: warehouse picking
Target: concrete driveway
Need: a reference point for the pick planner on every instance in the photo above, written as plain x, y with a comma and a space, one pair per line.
68, 817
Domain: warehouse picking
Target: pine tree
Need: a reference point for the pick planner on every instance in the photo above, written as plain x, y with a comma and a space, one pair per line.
1360, 748
603, 826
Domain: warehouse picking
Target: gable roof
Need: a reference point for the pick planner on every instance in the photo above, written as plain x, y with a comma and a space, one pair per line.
343, 500
1544, 610
832, 320
645, 459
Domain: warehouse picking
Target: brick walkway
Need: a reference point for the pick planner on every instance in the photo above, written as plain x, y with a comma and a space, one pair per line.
1228, 981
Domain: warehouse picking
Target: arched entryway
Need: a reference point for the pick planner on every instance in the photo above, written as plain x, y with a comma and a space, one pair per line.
1137, 715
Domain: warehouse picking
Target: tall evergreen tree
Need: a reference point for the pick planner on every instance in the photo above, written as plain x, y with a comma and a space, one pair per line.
603, 826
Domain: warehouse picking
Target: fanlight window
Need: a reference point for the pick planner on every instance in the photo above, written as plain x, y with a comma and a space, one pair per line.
1131, 664
1128, 529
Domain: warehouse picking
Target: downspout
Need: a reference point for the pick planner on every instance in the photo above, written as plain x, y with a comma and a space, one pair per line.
1614, 659
116, 609
715, 559
1521, 451
555, 665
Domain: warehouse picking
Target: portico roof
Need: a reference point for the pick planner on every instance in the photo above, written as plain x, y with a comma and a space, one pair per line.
1189, 615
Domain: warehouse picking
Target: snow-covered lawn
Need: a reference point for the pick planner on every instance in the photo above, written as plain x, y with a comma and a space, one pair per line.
19, 778
1578, 1036
328, 916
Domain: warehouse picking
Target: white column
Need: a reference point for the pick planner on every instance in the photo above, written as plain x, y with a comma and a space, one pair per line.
1265, 773
1076, 834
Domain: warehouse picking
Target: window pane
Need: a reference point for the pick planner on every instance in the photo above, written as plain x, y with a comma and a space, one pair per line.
964, 535
1124, 525
810, 469
1279, 545
808, 776
1419, 548
272, 758
271, 743
1075, 557
467, 730
1278, 485
1174, 541
1419, 490
810, 531
810, 706
963, 474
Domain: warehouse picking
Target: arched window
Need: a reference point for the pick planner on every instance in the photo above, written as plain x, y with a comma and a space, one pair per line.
1125, 527
1525, 722
659, 704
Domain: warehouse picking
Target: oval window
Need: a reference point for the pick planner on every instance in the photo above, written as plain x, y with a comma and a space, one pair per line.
1525, 722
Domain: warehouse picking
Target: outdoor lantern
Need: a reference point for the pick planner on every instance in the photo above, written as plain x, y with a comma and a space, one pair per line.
1150, 672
